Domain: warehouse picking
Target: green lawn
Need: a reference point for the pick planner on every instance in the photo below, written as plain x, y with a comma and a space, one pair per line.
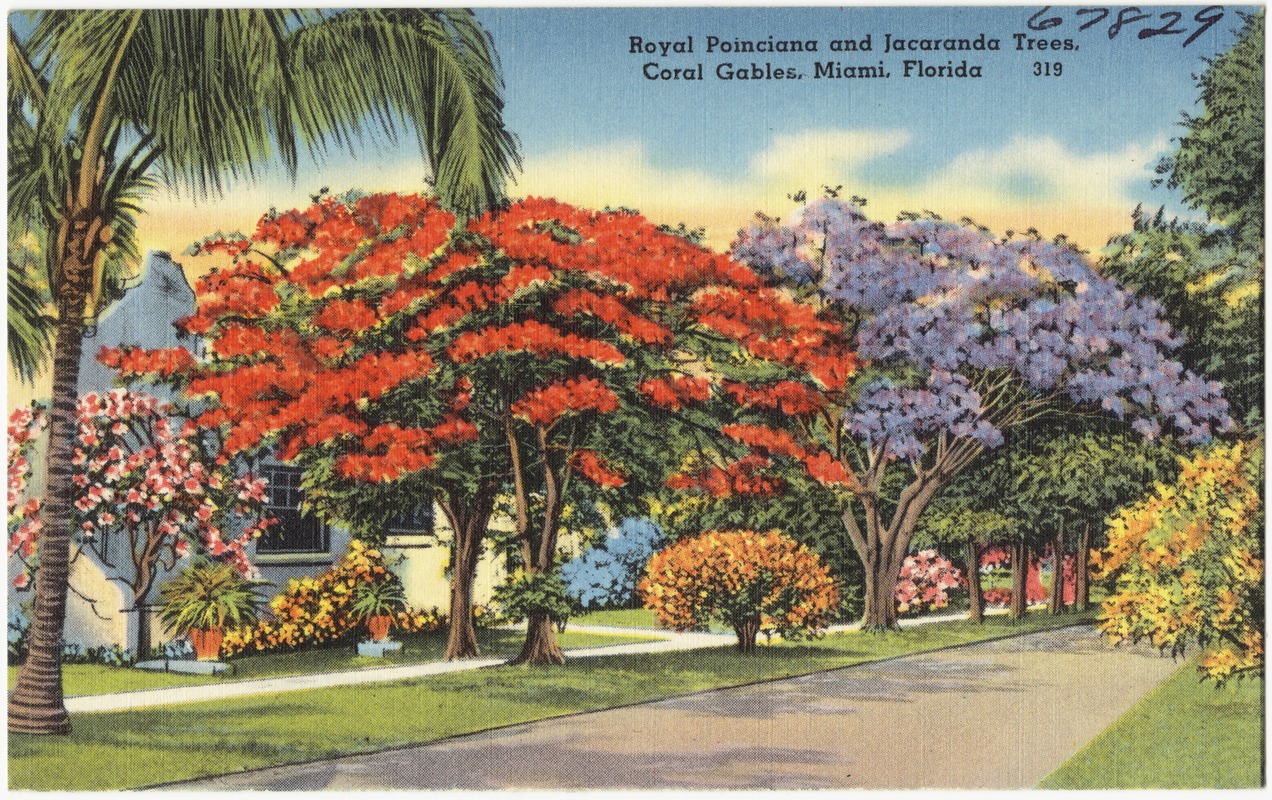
621, 617
82, 679
1184, 735
145, 747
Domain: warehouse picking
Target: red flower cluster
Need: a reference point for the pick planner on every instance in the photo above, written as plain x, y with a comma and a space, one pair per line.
611, 310
545, 405
591, 466
675, 392
789, 397
741, 477
135, 361
532, 337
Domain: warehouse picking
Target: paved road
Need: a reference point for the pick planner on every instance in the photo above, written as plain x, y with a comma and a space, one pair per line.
995, 715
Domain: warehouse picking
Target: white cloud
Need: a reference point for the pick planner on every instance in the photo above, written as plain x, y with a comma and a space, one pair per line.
1028, 182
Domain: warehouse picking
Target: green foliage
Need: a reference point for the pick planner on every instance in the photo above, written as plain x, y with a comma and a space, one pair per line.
378, 598
207, 594
528, 593
1219, 163
1210, 283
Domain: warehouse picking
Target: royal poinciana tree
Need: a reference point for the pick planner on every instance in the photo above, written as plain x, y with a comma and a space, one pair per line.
540, 345
967, 337
153, 489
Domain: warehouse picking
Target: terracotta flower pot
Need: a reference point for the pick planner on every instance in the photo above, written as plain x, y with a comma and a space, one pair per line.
379, 626
207, 643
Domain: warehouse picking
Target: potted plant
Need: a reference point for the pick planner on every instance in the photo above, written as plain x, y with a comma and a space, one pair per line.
375, 602
205, 597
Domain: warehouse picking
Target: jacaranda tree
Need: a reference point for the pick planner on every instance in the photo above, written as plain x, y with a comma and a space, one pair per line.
540, 345
967, 337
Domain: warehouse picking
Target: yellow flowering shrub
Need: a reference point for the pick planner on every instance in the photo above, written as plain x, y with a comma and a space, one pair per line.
1187, 564
753, 582
318, 610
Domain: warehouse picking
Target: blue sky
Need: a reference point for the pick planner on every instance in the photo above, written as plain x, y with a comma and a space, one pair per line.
1070, 154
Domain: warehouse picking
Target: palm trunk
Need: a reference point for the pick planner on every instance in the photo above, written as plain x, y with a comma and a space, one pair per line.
35, 704
975, 600
1081, 576
1019, 578
541, 645
1057, 572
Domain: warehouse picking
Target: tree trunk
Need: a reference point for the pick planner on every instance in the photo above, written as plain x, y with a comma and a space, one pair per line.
747, 630
469, 517
1081, 575
881, 601
1019, 578
35, 704
541, 645
975, 601
1057, 571
883, 548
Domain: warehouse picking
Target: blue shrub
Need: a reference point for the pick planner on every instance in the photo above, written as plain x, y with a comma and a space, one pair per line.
606, 574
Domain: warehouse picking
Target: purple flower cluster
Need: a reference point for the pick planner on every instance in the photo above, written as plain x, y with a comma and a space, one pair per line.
956, 306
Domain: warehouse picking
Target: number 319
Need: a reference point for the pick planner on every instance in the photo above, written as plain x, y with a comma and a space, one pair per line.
1048, 69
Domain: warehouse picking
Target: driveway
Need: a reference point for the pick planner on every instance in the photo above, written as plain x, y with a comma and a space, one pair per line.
998, 715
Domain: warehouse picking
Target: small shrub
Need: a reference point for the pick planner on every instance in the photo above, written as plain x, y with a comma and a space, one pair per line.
319, 610
606, 574
753, 582
527, 593
925, 582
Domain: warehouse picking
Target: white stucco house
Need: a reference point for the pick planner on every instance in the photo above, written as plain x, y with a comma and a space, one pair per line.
101, 611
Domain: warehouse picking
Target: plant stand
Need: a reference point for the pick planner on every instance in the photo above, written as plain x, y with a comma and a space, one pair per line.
378, 649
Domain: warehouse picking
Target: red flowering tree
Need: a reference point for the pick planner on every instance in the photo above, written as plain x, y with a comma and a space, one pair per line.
152, 488
542, 344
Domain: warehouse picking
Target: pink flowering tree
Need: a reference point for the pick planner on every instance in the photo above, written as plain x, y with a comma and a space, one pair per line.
152, 489
25, 426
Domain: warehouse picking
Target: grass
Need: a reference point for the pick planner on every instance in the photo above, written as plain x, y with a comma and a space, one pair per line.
621, 617
1184, 735
87, 679
139, 748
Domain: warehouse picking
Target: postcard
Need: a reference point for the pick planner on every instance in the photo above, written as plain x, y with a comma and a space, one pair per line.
636, 398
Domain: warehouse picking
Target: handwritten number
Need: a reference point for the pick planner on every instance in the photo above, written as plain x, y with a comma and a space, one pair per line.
1173, 17
1125, 17
1045, 24
1209, 17
1103, 12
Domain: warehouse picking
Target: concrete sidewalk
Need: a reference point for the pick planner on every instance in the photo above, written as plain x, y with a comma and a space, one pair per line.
671, 641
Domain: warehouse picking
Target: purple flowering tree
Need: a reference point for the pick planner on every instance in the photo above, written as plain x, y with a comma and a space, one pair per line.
964, 337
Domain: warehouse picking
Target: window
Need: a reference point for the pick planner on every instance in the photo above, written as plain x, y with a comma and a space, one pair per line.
294, 532
416, 523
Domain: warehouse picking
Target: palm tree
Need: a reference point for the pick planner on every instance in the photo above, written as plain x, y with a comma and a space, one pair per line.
118, 100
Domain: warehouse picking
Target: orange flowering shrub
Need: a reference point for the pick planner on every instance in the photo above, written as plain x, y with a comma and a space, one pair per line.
1187, 562
318, 610
751, 581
